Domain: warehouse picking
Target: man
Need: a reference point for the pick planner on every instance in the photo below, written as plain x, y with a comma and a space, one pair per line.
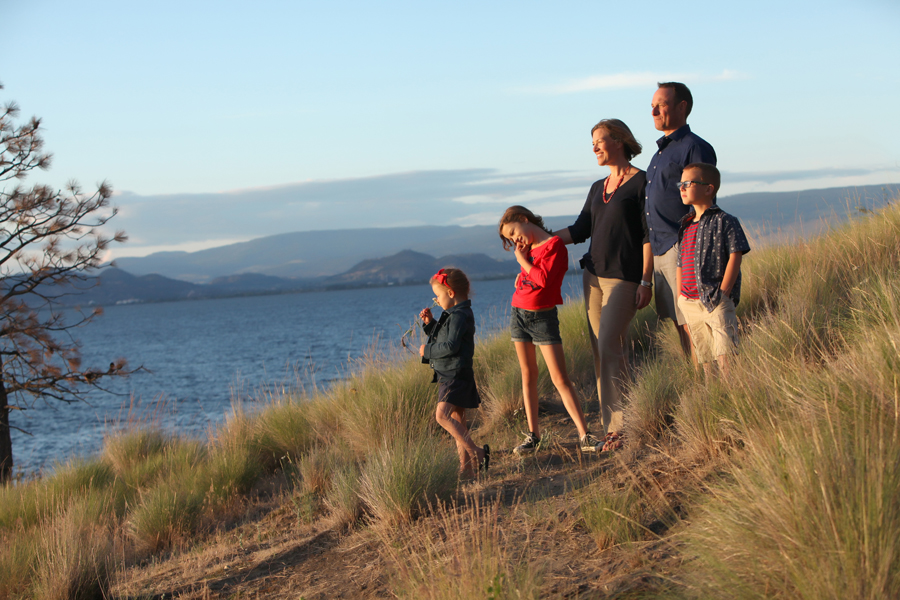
678, 148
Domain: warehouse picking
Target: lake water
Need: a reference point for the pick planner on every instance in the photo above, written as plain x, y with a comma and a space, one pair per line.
201, 355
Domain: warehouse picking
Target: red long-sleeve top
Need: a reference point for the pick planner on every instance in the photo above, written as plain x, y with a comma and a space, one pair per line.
542, 287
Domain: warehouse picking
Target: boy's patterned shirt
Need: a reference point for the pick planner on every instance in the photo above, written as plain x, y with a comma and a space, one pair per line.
719, 235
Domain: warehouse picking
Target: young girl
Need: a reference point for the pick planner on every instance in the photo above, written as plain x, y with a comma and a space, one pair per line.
544, 261
449, 351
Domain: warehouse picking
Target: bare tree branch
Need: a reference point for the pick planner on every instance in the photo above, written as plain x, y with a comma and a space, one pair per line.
50, 241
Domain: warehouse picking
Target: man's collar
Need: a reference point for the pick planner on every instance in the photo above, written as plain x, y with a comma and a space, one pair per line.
674, 137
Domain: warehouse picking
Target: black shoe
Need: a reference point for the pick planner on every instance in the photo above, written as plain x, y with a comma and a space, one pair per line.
529, 445
486, 461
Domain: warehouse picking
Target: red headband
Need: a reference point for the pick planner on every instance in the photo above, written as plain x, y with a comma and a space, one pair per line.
441, 278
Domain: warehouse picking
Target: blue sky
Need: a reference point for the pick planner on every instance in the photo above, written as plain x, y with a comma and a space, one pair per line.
225, 121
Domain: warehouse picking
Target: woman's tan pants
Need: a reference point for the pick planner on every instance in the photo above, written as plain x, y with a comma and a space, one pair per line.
610, 306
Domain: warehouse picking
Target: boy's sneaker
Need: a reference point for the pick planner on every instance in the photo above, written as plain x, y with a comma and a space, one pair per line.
590, 444
529, 445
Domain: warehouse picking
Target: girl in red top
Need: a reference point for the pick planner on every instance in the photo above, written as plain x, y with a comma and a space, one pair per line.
535, 322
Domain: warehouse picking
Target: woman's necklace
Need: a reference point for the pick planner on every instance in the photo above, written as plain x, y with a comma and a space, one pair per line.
621, 179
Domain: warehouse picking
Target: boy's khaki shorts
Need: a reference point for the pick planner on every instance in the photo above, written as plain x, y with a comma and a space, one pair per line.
713, 334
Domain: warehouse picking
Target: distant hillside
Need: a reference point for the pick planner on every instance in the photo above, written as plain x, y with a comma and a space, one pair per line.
411, 267
315, 254
115, 286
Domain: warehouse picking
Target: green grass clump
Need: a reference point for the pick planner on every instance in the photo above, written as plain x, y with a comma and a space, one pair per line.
613, 516
165, 517
343, 500
402, 476
129, 449
282, 432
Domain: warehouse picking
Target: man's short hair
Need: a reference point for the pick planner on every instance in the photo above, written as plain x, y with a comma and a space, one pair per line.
708, 173
681, 93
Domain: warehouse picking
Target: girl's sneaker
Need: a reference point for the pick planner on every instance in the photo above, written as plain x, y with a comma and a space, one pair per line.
590, 444
529, 445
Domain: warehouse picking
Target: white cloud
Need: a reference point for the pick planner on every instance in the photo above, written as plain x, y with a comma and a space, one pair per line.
137, 249
618, 81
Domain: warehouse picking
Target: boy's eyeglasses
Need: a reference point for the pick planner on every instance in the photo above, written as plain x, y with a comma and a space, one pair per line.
683, 185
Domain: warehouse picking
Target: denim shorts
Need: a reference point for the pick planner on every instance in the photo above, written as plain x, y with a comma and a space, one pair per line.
540, 327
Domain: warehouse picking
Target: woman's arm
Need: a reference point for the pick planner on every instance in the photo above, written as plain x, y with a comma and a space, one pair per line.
565, 235
643, 294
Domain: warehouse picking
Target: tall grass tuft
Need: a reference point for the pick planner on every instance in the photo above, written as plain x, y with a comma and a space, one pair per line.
282, 432
406, 473
653, 400
343, 498
613, 516
125, 450
464, 553
166, 516
75, 557
380, 396
808, 508
811, 512
25, 505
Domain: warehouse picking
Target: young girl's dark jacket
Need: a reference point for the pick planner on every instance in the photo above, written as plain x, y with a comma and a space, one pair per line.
451, 343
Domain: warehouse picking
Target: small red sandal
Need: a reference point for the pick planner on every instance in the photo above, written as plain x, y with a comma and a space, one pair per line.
614, 440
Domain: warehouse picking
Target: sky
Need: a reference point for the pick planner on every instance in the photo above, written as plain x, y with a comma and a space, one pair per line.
218, 122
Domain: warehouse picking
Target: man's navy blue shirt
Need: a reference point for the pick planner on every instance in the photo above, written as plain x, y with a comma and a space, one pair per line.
664, 206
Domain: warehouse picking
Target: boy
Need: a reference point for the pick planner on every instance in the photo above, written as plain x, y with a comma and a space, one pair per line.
711, 244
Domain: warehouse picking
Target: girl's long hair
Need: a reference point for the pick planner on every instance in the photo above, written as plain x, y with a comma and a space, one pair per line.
518, 214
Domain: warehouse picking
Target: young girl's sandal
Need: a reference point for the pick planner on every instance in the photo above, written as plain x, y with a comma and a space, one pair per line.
486, 461
613, 441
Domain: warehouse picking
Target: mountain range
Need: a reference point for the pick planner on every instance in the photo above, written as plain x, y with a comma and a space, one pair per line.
116, 286
317, 260
767, 217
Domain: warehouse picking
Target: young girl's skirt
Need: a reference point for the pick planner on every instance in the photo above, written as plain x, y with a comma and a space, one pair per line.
459, 391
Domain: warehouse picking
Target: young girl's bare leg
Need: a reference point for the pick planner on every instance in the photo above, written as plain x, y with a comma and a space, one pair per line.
528, 366
453, 419
556, 365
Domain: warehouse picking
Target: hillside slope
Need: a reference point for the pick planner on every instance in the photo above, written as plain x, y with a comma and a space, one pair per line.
779, 482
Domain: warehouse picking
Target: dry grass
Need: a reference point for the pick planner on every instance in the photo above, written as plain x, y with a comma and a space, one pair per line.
461, 554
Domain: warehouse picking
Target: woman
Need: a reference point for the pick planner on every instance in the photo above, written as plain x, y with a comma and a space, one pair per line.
618, 267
